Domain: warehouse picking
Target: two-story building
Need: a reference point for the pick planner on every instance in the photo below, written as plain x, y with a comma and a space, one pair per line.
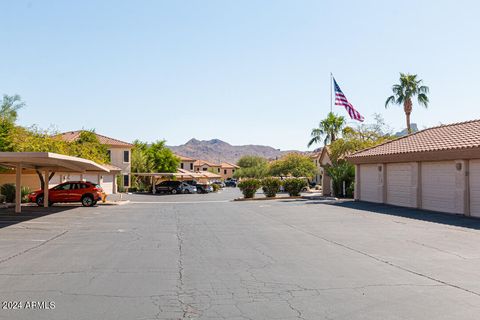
202, 165
186, 163
119, 153
228, 170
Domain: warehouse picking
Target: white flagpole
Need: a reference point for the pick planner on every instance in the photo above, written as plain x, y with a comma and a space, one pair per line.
331, 82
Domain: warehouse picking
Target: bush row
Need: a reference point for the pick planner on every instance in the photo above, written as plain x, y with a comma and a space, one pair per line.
8, 191
271, 186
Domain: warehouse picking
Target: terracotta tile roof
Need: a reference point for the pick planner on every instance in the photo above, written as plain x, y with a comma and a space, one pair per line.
74, 135
200, 163
183, 158
455, 136
228, 165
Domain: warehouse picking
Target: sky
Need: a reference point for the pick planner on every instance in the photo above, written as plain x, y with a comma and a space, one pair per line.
246, 72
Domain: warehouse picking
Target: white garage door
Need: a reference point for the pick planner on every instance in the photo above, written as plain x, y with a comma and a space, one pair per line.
369, 183
475, 188
399, 185
438, 186
107, 184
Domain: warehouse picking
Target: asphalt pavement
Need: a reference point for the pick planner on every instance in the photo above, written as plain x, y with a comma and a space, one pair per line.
206, 257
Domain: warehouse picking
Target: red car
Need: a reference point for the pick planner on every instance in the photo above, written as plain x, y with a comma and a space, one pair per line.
88, 193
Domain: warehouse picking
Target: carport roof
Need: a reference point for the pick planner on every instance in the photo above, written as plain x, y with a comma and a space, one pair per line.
445, 142
49, 161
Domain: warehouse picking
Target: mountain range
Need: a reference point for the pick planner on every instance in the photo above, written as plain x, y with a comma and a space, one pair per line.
216, 150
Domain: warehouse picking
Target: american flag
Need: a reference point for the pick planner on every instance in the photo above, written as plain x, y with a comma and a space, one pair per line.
341, 100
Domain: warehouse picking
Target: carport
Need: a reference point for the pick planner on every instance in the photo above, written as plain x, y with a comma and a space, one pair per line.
155, 176
181, 175
45, 162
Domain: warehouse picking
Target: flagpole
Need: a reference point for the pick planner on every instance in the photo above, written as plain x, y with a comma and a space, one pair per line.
331, 81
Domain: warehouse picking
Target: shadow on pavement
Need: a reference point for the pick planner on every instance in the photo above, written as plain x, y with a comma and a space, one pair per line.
423, 215
8, 216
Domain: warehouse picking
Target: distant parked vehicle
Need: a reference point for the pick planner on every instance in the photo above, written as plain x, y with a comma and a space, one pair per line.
204, 188
187, 188
219, 183
85, 192
201, 187
172, 187
231, 183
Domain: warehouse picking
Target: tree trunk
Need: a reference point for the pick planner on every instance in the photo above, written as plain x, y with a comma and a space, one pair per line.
42, 181
407, 107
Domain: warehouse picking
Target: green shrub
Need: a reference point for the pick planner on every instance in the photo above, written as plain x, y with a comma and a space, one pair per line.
8, 190
215, 187
271, 186
350, 190
25, 191
249, 187
294, 186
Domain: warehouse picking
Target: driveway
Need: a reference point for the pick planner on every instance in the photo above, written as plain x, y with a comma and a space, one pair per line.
188, 257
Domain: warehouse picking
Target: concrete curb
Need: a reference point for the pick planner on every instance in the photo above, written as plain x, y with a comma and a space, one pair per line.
114, 203
319, 198
261, 199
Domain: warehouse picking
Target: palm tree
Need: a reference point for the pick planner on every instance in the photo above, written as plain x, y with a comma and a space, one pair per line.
403, 93
9, 107
329, 129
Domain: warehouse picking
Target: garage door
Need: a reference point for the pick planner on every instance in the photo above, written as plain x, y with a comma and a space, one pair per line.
369, 183
475, 188
399, 185
438, 186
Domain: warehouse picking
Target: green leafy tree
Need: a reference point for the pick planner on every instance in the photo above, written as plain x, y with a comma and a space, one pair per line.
405, 91
293, 164
353, 139
150, 158
341, 172
9, 107
162, 158
88, 146
328, 130
34, 139
252, 167
7, 135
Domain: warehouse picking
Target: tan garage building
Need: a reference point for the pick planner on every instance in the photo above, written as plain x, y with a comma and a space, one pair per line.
434, 169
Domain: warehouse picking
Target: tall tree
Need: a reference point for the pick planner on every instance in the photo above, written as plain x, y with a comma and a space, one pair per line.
9, 107
328, 129
293, 164
403, 93
162, 158
252, 167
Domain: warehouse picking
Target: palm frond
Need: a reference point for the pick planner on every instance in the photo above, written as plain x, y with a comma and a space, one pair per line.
390, 100
423, 100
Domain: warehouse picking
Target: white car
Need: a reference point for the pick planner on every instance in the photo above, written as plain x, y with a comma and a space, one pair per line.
186, 188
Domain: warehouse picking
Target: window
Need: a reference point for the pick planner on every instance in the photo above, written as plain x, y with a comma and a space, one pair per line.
65, 186
218, 170
109, 155
126, 156
225, 171
204, 169
181, 165
233, 170
126, 180
191, 166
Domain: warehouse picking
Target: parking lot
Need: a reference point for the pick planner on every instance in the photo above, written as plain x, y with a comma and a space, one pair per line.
206, 257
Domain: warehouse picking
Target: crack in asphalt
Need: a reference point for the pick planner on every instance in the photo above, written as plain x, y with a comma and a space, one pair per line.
373, 257
33, 248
